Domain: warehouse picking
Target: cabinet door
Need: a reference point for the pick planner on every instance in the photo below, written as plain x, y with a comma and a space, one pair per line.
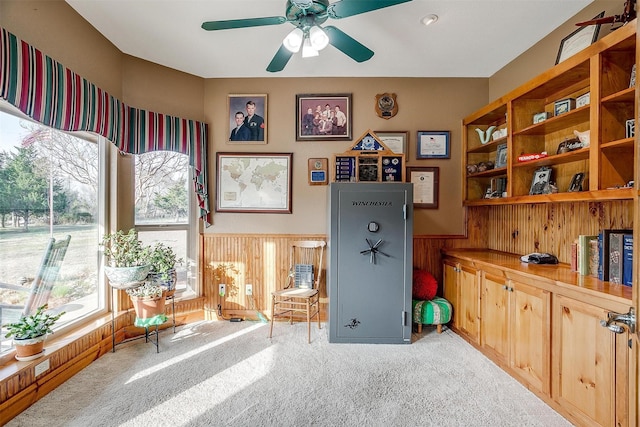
494, 325
583, 362
530, 326
469, 303
450, 288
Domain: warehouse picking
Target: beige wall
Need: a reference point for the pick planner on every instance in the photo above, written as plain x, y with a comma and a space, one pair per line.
424, 104
543, 54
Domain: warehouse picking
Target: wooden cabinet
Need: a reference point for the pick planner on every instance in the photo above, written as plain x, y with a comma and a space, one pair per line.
542, 325
603, 71
450, 287
589, 364
466, 301
515, 328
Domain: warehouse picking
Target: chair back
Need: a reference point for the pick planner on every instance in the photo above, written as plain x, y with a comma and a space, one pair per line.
47, 275
306, 261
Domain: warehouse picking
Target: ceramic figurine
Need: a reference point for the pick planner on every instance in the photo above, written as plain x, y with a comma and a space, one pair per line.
485, 135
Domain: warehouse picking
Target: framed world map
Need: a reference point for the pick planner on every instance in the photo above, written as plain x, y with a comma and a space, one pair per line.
253, 182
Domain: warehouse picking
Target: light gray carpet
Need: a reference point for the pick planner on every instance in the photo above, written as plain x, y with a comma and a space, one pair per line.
231, 374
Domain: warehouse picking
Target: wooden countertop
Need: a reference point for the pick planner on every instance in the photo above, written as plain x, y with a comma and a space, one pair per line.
559, 275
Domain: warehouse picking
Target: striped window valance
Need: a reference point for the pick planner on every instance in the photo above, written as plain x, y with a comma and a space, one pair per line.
54, 95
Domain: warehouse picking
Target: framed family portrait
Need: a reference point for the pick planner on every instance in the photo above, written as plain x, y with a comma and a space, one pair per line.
425, 182
253, 182
247, 119
433, 144
395, 141
578, 40
323, 117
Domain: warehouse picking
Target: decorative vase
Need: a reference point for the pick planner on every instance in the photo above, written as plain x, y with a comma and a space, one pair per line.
29, 348
146, 307
126, 277
166, 280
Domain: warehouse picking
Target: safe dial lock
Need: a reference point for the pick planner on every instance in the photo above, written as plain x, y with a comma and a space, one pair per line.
373, 227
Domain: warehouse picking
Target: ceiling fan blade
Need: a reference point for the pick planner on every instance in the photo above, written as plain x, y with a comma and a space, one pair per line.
344, 8
243, 23
348, 45
279, 60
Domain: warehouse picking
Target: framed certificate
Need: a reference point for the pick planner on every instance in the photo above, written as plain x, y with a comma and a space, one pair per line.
433, 145
425, 182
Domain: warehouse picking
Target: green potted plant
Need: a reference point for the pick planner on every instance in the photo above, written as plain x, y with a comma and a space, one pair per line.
127, 258
30, 332
163, 262
148, 299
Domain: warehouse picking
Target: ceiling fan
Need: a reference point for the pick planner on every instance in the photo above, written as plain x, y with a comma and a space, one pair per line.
628, 14
307, 16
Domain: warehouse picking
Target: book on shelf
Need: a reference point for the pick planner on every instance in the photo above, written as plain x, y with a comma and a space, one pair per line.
584, 254
574, 256
616, 251
603, 246
627, 260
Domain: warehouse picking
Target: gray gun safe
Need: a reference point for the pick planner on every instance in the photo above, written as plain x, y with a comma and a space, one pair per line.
370, 263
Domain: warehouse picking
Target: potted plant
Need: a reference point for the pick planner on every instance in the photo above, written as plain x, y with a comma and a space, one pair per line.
29, 332
127, 259
163, 262
148, 299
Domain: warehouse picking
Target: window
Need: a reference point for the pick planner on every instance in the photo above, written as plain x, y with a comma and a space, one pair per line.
50, 186
163, 214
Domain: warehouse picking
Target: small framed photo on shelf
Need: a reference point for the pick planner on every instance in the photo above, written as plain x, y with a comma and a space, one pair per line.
630, 128
576, 182
395, 141
563, 106
632, 80
318, 171
541, 180
583, 100
578, 40
433, 144
540, 117
247, 119
501, 156
425, 182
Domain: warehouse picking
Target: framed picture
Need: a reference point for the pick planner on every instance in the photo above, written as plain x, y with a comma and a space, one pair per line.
576, 182
501, 156
395, 141
318, 171
247, 119
426, 181
433, 144
578, 40
323, 117
253, 182
541, 179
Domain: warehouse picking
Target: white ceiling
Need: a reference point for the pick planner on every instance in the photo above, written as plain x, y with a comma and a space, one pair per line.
471, 38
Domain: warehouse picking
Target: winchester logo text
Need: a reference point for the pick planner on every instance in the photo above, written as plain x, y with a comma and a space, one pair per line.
372, 203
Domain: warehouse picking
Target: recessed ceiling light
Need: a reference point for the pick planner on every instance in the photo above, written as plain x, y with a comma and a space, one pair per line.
429, 19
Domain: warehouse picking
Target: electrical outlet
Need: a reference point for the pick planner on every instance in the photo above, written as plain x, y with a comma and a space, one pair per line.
41, 367
249, 289
222, 289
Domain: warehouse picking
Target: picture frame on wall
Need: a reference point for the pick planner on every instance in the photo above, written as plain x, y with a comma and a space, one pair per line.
253, 182
426, 181
324, 117
396, 141
247, 119
433, 144
578, 40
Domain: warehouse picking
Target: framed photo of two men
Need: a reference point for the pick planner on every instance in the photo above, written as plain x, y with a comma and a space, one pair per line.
324, 117
247, 119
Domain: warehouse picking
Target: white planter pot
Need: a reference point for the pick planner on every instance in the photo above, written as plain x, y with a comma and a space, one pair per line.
126, 277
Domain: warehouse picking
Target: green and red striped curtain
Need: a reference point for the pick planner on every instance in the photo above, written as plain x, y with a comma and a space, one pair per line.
54, 95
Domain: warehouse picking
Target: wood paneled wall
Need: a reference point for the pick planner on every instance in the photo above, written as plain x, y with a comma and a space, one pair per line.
262, 260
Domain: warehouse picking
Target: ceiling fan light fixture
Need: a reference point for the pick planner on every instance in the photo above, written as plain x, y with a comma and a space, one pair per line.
308, 51
429, 19
319, 39
293, 40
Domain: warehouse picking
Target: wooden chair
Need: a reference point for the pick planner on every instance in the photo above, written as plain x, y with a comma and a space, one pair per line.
300, 294
41, 286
